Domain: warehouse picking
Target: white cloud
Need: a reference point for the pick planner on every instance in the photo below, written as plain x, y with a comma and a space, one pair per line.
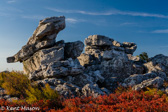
160, 31
11, 1
111, 12
71, 20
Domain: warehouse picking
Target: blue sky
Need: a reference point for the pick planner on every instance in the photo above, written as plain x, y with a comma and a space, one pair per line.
144, 22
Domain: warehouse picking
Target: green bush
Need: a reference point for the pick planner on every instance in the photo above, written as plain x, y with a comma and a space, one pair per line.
144, 56
15, 83
45, 93
19, 85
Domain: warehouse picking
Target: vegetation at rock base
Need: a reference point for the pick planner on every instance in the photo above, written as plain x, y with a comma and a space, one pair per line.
19, 85
15, 83
124, 99
144, 56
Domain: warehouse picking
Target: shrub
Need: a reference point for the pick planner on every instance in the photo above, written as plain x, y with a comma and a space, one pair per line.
144, 56
19, 85
153, 91
45, 93
15, 83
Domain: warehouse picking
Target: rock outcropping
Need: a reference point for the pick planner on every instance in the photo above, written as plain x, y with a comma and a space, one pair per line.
104, 64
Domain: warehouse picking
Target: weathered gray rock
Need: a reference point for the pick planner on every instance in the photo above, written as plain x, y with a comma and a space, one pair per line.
133, 58
104, 64
50, 81
133, 80
108, 55
87, 59
118, 66
3, 92
138, 78
149, 75
82, 79
73, 49
44, 36
117, 44
130, 47
43, 57
62, 87
155, 74
98, 40
157, 63
58, 69
138, 69
6, 97
111, 83
12, 99
111, 55
68, 90
92, 90
155, 82
166, 90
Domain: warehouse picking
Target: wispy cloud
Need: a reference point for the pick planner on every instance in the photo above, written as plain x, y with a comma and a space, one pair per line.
11, 1
34, 17
4, 14
127, 23
10, 10
111, 12
160, 31
71, 20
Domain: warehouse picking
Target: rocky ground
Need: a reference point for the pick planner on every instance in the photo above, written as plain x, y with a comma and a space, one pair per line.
105, 63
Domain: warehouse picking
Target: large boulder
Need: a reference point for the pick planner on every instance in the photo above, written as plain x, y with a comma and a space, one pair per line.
135, 79
58, 69
157, 63
44, 36
98, 40
42, 58
119, 66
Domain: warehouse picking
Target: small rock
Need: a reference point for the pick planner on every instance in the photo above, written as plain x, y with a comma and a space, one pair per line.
133, 79
12, 99
156, 82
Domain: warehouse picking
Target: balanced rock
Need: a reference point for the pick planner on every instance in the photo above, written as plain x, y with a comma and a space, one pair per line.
44, 36
98, 40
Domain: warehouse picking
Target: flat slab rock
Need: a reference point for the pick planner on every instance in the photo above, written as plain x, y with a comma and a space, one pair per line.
155, 82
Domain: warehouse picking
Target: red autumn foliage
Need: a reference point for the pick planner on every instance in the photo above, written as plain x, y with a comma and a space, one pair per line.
131, 101
127, 101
